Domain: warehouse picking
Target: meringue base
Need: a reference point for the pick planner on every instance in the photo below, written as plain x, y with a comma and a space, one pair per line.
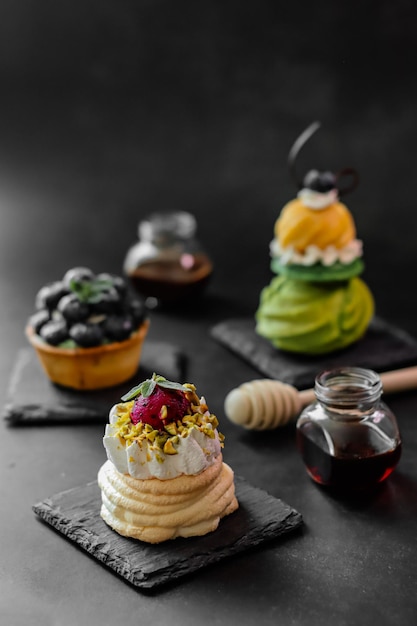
154, 510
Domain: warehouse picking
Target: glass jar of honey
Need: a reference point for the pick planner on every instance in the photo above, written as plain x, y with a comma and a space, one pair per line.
348, 439
168, 264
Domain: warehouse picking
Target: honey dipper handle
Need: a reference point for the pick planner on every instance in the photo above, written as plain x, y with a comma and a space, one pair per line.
399, 380
306, 396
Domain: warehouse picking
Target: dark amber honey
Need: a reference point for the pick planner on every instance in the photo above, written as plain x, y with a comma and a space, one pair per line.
363, 470
170, 281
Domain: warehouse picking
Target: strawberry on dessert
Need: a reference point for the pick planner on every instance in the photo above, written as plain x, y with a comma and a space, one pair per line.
161, 407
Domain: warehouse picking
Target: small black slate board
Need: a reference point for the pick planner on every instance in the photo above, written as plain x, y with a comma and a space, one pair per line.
33, 399
383, 348
76, 514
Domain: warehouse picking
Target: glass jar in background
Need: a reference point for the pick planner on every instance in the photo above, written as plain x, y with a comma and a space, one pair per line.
348, 439
168, 265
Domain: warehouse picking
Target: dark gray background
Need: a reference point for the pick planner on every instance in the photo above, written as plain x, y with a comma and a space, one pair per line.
110, 109
124, 107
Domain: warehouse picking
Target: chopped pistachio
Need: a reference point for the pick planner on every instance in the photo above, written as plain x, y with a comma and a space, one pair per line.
160, 440
169, 447
151, 436
164, 442
171, 428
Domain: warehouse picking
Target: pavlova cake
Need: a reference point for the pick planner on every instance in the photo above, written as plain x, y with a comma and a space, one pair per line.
164, 476
317, 303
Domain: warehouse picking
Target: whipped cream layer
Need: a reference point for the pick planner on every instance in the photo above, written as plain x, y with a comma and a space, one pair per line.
155, 510
317, 200
313, 254
190, 452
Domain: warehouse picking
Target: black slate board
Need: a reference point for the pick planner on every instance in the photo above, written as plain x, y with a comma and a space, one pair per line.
76, 514
33, 399
384, 347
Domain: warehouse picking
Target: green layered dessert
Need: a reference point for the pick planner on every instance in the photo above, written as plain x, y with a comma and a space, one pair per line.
314, 318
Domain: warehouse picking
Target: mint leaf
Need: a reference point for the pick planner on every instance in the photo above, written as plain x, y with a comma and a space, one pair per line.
147, 387
95, 297
81, 289
90, 291
167, 384
102, 284
130, 395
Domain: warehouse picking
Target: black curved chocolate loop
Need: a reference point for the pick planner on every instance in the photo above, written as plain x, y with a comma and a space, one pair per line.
296, 147
347, 171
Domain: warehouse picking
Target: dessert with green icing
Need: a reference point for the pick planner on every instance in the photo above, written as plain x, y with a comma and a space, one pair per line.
317, 303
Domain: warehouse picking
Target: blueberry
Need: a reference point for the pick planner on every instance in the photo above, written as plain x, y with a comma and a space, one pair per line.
108, 302
39, 319
72, 308
117, 327
117, 281
54, 332
137, 309
321, 182
86, 335
78, 274
49, 295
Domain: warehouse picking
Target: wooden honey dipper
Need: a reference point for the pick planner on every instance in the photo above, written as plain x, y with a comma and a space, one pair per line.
266, 404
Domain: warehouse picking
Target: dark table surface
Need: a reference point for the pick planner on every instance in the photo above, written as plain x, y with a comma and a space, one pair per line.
110, 112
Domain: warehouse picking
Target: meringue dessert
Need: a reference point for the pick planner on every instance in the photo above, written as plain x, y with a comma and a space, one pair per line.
317, 303
164, 476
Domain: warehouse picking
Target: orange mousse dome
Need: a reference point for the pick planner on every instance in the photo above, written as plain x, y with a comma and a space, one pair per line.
299, 226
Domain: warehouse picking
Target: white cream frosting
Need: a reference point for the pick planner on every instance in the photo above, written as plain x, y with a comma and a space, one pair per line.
313, 254
317, 200
196, 451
